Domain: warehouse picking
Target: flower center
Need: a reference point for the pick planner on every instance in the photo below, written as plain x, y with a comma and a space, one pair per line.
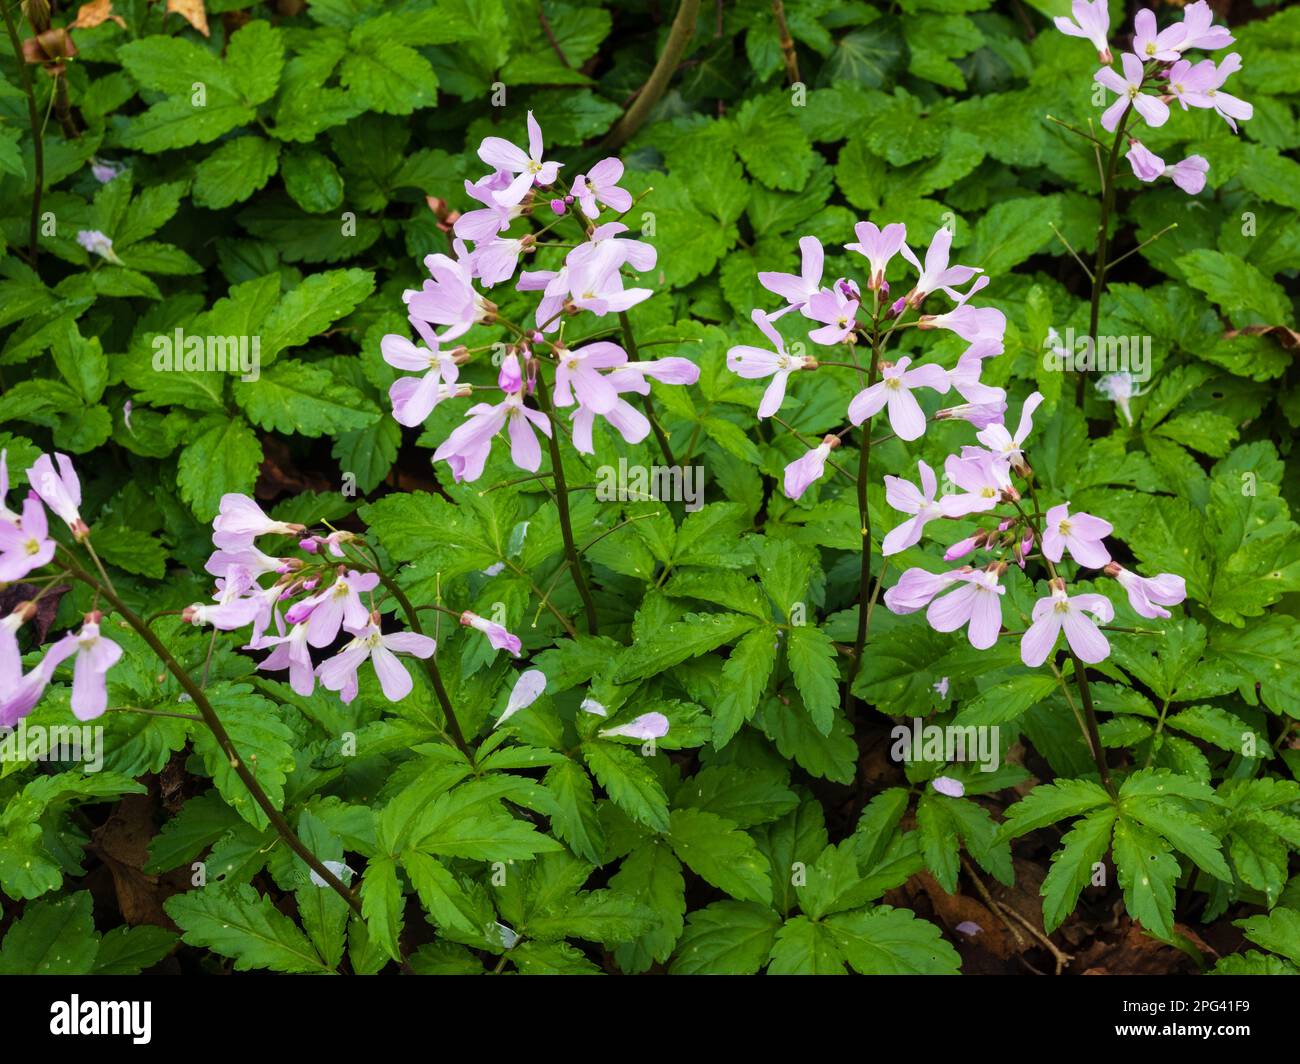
989, 493
1132, 92
893, 382
1064, 528
32, 546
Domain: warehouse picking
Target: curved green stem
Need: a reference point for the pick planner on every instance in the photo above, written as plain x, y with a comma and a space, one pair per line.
562, 502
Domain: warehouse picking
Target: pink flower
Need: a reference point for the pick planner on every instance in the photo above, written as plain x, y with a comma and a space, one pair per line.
232, 610
601, 183
26, 545
595, 283
606, 240
982, 476
803, 472
490, 220
449, 297
977, 606
1007, 447
937, 273
755, 363
646, 726
1147, 594
497, 635
631, 424
1165, 45
878, 246
95, 655
337, 606
240, 520
894, 389
1129, 88
916, 587
1199, 30
1189, 175
496, 259
255, 561
1058, 611
554, 286
467, 447
21, 691
797, 290
903, 496
339, 673
60, 491
528, 689
1147, 166
965, 377
1092, 22
1081, 535
1207, 93
981, 415
966, 546
502, 155
948, 786
673, 370
838, 310
1186, 78
576, 373
983, 327
290, 653
6, 514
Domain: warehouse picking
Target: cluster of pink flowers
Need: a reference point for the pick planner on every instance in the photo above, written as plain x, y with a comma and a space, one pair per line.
1157, 62
970, 597
25, 545
306, 606
591, 379
844, 318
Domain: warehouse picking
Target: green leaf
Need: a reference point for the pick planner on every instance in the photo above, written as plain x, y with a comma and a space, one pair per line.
629, 782
234, 171
312, 307
1147, 874
1246, 295
52, 937
674, 643
574, 819
224, 456
813, 665
803, 947
1083, 845
381, 904
243, 925
1279, 932
722, 854
1049, 803
726, 938
887, 941
742, 682
304, 398
265, 743
129, 950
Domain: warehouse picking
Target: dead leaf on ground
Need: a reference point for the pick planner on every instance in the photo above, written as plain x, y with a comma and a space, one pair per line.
192, 12
1288, 338
122, 843
94, 13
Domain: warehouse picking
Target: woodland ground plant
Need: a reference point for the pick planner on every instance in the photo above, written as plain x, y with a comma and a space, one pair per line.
949, 578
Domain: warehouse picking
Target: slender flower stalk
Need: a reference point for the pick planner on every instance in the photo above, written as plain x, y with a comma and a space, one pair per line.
562, 503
